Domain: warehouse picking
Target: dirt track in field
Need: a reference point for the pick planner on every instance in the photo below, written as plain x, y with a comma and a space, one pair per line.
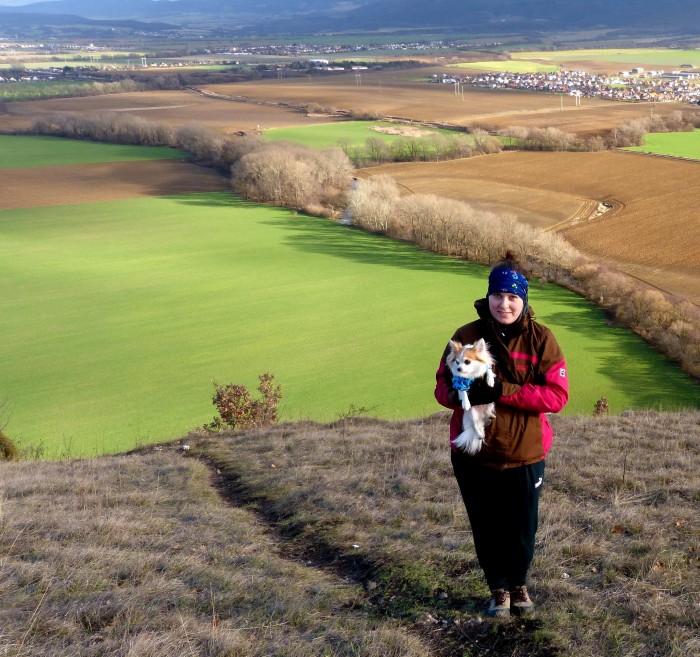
111, 181
654, 233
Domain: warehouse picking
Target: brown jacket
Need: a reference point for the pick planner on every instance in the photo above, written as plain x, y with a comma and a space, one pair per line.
533, 371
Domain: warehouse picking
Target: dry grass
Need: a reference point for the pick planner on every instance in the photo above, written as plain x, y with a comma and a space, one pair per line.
617, 565
139, 556
349, 539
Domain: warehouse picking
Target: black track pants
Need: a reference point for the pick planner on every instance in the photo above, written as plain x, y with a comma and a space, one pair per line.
502, 506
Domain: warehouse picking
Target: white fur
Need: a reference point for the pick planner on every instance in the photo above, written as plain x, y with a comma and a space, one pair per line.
475, 418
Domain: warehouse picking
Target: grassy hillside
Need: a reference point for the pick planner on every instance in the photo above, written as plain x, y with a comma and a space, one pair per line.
117, 316
349, 539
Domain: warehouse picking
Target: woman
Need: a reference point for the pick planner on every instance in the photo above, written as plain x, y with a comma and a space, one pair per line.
501, 483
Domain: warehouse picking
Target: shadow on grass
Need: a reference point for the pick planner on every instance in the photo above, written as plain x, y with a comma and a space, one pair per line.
320, 236
625, 361
216, 199
325, 237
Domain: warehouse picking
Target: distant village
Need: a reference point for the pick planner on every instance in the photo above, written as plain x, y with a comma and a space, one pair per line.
681, 85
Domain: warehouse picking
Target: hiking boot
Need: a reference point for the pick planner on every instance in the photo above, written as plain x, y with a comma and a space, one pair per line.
499, 604
520, 602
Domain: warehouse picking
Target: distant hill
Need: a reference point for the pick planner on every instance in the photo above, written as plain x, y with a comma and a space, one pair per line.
11, 19
476, 16
206, 9
529, 15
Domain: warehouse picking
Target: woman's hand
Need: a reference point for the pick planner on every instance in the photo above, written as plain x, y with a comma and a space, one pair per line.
481, 392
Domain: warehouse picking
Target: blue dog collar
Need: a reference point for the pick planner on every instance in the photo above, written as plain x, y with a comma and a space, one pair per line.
458, 383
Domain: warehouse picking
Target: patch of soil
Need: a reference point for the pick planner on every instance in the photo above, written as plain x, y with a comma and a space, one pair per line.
109, 181
402, 130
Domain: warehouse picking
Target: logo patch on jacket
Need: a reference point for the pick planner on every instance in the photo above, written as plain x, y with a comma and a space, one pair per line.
562, 372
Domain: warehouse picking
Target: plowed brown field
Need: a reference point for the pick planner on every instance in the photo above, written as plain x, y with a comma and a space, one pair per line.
404, 94
654, 232
174, 108
408, 95
111, 181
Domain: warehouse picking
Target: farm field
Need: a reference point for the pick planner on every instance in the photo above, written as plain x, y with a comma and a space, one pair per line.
510, 66
351, 133
637, 237
118, 315
677, 144
106, 181
174, 108
612, 59
48, 171
407, 94
48, 89
18, 152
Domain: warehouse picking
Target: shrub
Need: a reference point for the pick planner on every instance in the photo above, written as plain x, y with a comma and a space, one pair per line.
8, 450
109, 127
238, 410
202, 144
292, 175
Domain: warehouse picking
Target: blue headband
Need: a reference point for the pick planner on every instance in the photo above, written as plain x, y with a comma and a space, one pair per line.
507, 280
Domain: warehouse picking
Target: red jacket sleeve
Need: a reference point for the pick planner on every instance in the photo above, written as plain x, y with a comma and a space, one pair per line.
550, 397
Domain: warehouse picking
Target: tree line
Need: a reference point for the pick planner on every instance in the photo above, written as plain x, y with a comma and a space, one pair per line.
321, 182
481, 141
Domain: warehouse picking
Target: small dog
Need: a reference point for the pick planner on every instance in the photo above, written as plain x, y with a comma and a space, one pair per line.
467, 363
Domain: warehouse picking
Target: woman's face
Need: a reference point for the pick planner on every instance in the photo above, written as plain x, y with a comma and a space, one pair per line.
505, 308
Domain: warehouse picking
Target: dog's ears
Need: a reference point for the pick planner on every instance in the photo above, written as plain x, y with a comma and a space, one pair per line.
480, 346
456, 346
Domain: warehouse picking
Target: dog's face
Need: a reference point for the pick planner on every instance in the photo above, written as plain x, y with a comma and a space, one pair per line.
469, 361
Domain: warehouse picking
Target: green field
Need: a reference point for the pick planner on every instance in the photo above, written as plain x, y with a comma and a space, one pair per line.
680, 144
350, 133
14, 91
116, 317
640, 56
510, 66
19, 152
